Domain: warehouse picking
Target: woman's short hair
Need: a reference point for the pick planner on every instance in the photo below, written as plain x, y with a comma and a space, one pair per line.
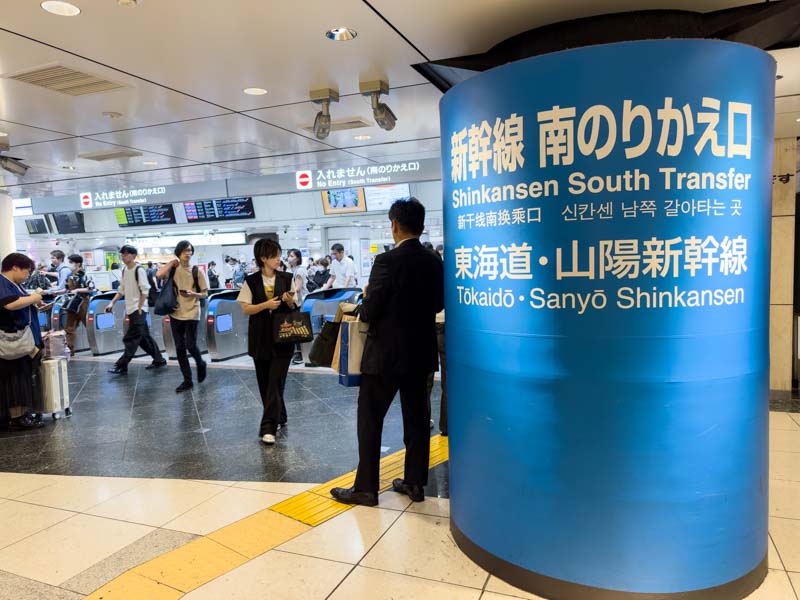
16, 259
75, 259
182, 246
265, 249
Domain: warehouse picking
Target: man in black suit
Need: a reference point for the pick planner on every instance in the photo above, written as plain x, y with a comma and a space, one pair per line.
406, 290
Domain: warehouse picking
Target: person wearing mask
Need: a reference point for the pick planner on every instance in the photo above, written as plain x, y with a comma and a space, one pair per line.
213, 275
134, 288
61, 269
191, 287
405, 292
300, 275
80, 285
320, 276
343, 269
18, 311
263, 294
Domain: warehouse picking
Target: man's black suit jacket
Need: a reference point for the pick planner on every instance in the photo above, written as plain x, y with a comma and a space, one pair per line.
406, 290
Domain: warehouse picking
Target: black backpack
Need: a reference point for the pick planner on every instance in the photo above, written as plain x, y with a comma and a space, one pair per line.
319, 279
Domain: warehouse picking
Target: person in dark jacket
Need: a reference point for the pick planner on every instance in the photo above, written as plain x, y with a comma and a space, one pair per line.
264, 293
405, 291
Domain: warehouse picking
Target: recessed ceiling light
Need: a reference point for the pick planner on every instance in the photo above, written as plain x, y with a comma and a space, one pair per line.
341, 34
68, 167
150, 163
62, 9
798, 120
110, 114
362, 137
3, 134
254, 91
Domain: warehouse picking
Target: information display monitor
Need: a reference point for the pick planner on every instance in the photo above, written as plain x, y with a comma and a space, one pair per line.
35, 226
381, 197
69, 222
154, 214
343, 201
223, 209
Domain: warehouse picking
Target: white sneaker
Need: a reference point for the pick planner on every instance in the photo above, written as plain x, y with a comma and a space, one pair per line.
268, 439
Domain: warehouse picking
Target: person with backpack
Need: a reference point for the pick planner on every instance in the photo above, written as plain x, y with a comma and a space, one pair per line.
213, 276
62, 269
190, 287
79, 286
134, 288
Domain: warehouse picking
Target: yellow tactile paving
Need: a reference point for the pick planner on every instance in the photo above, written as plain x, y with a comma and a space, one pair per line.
258, 533
192, 565
130, 585
175, 573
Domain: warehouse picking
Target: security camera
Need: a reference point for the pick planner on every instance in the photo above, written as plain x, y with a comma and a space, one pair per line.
322, 122
13, 165
383, 115
285, 230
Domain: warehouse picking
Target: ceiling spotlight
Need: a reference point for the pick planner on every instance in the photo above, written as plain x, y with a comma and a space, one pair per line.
3, 134
128, 3
254, 91
150, 163
383, 115
322, 122
341, 34
798, 119
110, 114
62, 9
362, 138
68, 167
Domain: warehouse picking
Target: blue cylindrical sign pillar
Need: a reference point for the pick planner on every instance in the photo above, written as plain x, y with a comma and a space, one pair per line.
607, 218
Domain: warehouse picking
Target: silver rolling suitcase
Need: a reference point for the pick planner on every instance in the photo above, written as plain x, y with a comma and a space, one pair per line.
55, 387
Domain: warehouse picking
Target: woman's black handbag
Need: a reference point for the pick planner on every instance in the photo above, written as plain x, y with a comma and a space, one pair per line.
325, 344
167, 300
73, 303
292, 328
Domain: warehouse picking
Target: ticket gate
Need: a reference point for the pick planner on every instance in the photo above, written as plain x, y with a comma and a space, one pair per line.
226, 326
202, 340
154, 324
323, 304
105, 329
58, 321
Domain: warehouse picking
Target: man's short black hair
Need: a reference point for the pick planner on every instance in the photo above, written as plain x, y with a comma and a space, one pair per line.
128, 249
409, 216
182, 247
76, 259
337, 248
57, 254
16, 259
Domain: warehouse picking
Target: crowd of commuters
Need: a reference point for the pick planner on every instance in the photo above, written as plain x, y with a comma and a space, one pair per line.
403, 305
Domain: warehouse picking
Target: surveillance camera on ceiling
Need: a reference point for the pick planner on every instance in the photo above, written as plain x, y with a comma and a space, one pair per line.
322, 122
13, 166
383, 115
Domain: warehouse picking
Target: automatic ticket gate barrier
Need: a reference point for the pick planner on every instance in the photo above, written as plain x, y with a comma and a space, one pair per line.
155, 326
105, 330
322, 304
202, 339
225, 326
58, 322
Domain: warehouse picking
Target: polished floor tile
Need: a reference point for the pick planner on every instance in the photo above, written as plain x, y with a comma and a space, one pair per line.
775, 587
276, 575
393, 501
498, 586
421, 546
80, 493
276, 487
436, 507
14, 587
223, 509
14, 485
786, 535
784, 499
784, 441
773, 558
18, 520
782, 420
155, 543
345, 538
370, 584
784, 465
156, 502
61, 552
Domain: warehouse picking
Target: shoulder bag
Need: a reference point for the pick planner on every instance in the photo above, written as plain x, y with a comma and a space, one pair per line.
167, 300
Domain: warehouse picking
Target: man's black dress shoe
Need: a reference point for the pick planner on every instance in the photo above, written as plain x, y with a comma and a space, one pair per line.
183, 387
415, 492
156, 364
118, 371
352, 496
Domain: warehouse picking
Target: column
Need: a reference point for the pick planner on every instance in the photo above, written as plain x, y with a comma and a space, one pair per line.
781, 313
8, 241
608, 213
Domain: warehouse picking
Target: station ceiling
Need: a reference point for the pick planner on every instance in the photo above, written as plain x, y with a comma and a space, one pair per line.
181, 67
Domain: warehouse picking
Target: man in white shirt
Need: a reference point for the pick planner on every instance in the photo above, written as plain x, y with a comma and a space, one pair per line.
134, 288
343, 270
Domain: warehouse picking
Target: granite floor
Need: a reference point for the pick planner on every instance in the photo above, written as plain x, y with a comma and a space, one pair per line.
137, 426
